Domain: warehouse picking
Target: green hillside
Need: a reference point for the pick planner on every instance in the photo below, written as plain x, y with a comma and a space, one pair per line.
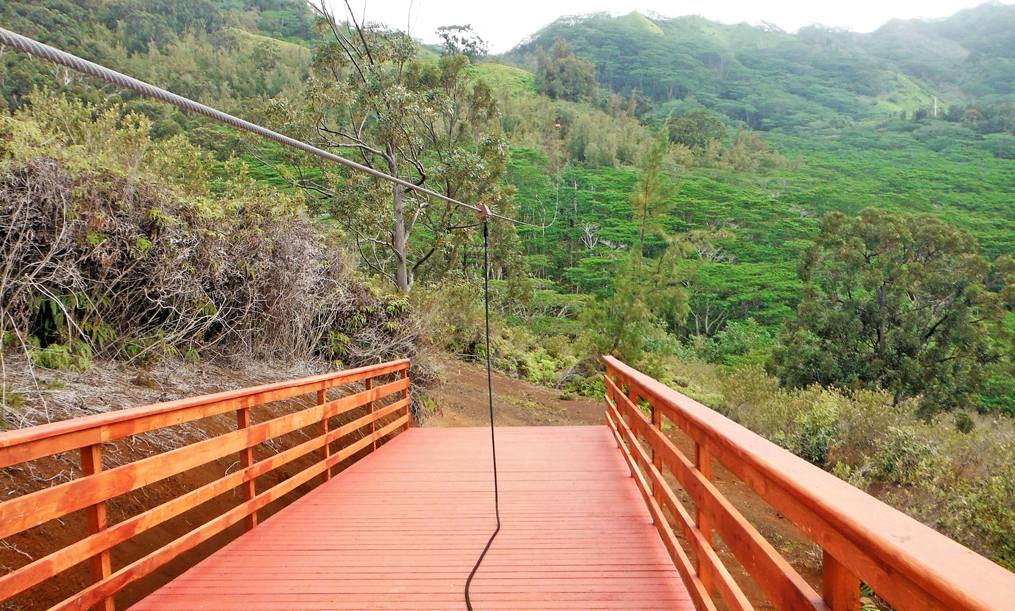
773, 80
796, 229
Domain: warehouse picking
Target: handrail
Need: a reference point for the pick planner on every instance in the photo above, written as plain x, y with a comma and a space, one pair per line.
23, 445
386, 408
906, 563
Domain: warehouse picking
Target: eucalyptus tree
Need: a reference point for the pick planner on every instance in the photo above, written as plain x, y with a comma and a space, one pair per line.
373, 97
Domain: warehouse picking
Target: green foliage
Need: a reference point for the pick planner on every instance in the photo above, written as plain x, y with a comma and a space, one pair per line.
964, 423
374, 96
563, 76
647, 299
960, 482
739, 344
11, 399
62, 356
462, 40
897, 302
980, 514
817, 430
696, 129
592, 387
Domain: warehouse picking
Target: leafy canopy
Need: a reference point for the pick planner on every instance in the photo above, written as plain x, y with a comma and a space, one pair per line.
563, 76
902, 303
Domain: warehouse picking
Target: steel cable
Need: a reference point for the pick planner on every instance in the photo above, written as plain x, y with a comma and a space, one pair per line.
78, 64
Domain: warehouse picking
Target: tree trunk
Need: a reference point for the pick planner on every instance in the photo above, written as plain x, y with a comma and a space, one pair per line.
400, 245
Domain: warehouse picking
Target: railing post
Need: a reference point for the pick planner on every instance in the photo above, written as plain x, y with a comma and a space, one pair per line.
841, 589
703, 463
368, 385
405, 395
322, 398
657, 458
247, 459
632, 394
95, 520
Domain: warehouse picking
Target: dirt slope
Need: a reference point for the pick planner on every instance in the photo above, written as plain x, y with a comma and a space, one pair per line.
463, 401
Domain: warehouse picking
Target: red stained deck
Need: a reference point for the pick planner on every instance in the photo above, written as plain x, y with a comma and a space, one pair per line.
401, 529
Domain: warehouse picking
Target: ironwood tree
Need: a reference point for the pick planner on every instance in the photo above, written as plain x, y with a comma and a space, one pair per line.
562, 75
898, 302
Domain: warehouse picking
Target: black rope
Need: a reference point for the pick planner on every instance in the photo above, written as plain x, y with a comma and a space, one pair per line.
489, 388
27, 45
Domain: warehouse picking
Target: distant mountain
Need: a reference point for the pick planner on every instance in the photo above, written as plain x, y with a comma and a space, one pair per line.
770, 79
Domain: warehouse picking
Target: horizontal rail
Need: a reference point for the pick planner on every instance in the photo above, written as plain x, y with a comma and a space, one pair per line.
910, 565
48, 439
696, 588
95, 487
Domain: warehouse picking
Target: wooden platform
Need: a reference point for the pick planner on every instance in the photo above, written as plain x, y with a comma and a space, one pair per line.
402, 528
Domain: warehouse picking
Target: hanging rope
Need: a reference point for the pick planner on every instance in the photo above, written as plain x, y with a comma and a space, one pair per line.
489, 388
483, 212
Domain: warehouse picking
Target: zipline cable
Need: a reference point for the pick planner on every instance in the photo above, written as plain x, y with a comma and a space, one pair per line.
32, 47
489, 387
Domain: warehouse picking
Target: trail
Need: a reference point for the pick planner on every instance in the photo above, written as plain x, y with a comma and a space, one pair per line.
462, 401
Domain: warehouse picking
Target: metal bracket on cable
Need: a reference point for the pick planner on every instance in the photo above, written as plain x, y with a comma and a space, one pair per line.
483, 212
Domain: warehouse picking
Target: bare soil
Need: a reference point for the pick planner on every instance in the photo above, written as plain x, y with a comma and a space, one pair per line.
462, 400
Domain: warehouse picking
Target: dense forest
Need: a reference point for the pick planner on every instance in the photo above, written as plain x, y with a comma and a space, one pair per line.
811, 232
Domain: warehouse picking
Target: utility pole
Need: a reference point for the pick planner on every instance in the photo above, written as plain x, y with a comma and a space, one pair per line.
935, 107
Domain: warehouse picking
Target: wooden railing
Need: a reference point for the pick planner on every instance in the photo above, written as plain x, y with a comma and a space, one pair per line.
909, 565
90, 492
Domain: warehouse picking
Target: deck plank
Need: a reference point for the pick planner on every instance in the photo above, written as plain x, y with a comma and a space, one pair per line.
402, 528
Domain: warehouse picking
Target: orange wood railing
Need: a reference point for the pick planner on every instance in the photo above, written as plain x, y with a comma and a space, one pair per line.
90, 492
909, 565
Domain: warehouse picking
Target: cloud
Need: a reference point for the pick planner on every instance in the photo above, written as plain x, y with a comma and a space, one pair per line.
505, 24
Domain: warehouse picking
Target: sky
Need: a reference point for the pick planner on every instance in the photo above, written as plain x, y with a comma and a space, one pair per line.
505, 23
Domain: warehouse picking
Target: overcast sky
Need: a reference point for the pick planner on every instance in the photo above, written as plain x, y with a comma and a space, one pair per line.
505, 23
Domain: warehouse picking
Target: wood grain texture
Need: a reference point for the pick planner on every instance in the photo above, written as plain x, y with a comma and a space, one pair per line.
99, 565
708, 563
701, 598
39, 507
901, 559
90, 491
156, 559
781, 583
841, 588
402, 528
48, 439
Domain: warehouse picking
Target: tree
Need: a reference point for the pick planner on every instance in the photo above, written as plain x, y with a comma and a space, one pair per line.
696, 129
461, 40
652, 193
562, 76
648, 298
373, 98
902, 303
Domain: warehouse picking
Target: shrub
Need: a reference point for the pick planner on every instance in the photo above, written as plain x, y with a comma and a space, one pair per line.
60, 356
957, 473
